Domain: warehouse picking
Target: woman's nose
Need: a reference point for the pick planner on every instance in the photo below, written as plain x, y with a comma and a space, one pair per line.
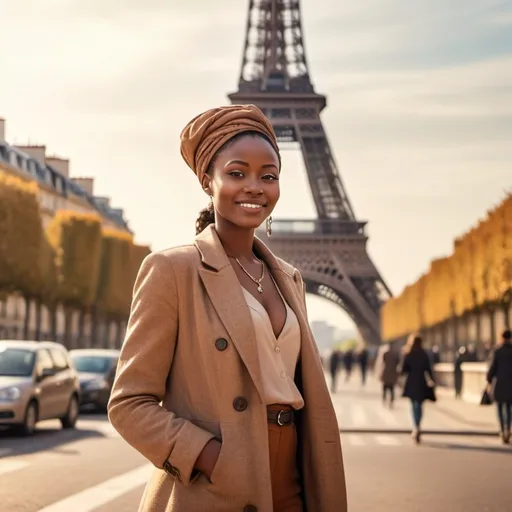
253, 187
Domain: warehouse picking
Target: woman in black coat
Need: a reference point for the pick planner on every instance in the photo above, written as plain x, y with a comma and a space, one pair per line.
419, 383
500, 374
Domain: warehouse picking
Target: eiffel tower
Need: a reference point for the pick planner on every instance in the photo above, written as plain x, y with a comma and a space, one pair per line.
330, 251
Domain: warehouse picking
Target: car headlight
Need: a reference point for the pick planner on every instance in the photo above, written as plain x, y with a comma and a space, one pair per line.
9, 394
96, 384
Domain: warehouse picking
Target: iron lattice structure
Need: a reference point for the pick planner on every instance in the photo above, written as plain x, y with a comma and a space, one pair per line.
329, 251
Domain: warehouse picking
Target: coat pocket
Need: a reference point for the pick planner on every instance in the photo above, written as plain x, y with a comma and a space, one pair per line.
209, 426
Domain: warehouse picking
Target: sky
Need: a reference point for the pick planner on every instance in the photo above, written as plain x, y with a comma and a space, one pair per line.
419, 110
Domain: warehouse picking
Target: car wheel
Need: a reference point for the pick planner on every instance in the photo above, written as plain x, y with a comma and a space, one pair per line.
69, 421
30, 420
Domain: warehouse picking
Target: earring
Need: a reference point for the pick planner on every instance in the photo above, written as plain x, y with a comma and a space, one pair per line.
210, 203
269, 226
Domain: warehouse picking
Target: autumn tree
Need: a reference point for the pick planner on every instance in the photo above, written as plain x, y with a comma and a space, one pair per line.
76, 238
22, 267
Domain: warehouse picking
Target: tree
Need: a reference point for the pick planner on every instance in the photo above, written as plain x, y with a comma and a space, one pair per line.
21, 240
76, 238
478, 274
115, 268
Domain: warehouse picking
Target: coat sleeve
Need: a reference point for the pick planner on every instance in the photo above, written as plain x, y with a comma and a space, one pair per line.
491, 373
168, 441
405, 366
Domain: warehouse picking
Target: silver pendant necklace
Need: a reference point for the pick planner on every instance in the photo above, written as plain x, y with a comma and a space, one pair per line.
257, 281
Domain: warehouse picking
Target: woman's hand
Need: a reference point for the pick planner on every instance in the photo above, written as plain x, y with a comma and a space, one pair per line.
208, 457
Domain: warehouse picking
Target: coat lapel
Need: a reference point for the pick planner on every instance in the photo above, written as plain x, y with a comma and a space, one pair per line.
224, 290
291, 288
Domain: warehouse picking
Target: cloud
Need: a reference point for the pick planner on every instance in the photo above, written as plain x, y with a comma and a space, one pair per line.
419, 112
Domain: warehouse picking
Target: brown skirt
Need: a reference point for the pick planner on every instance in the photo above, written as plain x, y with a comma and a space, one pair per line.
286, 491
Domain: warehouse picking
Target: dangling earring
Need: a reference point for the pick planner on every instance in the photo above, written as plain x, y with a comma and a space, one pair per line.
210, 203
269, 226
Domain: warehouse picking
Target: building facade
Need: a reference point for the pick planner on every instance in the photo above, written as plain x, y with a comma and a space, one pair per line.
57, 191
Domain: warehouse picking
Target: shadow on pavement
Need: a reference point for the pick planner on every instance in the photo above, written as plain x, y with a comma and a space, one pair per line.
468, 448
48, 437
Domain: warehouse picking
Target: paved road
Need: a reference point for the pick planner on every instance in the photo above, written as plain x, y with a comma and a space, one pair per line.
93, 470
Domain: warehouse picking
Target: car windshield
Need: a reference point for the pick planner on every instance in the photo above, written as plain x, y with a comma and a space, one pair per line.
16, 362
91, 364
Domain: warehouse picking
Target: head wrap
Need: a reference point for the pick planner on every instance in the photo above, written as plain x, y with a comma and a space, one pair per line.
209, 131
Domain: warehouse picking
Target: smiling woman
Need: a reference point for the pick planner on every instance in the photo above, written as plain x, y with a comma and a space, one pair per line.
218, 334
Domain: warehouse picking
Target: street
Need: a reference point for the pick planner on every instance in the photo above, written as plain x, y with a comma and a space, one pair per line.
461, 466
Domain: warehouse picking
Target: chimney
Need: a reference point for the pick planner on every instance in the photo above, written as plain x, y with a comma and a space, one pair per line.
2, 129
59, 164
86, 183
36, 152
103, 200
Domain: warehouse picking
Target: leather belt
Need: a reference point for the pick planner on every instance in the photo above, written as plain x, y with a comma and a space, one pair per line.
281, 418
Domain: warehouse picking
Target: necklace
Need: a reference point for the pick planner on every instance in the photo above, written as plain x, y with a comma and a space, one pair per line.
257, 281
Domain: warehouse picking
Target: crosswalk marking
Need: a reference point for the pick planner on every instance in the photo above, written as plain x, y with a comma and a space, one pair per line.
358, 415
8, 466
101, 494
387, 440
355, 440
387, 417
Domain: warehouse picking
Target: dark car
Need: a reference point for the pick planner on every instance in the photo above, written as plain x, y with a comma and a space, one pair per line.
96, 369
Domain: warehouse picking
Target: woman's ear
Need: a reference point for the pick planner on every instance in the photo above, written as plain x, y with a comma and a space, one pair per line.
205, 183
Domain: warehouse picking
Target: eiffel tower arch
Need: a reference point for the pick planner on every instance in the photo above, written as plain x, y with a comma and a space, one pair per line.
330, 251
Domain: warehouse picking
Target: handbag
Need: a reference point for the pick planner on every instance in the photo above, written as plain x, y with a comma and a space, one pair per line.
486, 398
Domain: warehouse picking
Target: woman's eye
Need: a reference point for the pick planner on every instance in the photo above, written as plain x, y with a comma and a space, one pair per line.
236, 173
270, 177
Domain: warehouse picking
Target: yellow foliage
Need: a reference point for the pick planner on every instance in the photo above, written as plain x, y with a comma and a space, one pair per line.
21, 236
478, 272
114, 272
76, 240
137, 254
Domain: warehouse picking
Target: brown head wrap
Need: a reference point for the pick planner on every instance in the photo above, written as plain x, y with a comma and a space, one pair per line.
209, 131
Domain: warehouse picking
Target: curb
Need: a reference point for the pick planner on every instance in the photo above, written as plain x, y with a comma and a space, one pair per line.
481, 433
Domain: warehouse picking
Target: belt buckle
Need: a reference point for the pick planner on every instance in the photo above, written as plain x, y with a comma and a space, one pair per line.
279, 418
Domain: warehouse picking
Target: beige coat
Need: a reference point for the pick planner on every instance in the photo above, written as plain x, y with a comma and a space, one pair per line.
187, 304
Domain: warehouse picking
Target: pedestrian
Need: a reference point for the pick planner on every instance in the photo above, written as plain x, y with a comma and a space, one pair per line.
218, 335
499, 378
334, 366
388, 373
458, 376
348, 360
419, 382
434, 355
363, 364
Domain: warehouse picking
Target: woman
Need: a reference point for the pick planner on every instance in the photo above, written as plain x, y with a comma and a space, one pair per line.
419, 383
218, 333
500, 374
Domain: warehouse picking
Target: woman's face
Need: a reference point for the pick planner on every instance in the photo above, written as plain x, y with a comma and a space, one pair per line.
245, 182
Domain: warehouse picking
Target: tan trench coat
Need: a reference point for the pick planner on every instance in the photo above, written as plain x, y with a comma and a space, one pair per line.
190, 346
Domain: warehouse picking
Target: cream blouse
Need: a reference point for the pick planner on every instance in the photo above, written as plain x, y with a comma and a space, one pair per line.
277, 356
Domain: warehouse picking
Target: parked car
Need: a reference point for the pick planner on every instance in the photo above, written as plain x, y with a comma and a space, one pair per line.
96, 369
37, 382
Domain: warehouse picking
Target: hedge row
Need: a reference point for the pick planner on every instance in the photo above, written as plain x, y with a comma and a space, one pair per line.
477, 274
75, 261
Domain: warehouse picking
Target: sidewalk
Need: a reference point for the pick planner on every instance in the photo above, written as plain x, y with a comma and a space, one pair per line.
360, 409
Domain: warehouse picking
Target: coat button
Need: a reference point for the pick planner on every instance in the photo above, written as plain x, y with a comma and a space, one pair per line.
171, 470
250, 508
221, 344
240, 403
